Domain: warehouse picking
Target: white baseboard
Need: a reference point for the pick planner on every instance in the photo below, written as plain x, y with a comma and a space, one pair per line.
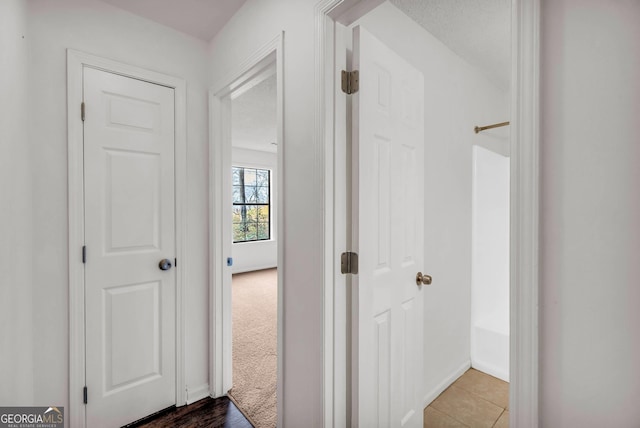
433, 394
197, 393
491, 370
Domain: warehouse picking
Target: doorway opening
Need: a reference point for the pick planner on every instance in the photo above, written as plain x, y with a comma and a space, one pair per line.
254, 290
462, 326
246, 242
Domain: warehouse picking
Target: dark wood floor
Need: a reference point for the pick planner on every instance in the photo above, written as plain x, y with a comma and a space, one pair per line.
207, 413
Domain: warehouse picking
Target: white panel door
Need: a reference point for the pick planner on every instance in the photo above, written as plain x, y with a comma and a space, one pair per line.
388, 148
130, 228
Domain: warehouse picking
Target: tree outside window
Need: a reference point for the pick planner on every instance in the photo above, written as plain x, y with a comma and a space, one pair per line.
251, 203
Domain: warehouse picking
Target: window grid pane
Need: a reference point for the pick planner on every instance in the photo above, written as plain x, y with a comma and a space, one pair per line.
251, 204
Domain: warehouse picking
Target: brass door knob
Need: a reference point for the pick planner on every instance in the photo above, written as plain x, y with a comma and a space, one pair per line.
423, 279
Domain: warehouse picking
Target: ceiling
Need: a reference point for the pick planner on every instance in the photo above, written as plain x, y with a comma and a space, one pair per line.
253, 117
199, 18
477, 30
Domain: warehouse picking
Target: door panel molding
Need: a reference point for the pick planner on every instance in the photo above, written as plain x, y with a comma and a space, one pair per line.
525, 24
387, 310
76, 61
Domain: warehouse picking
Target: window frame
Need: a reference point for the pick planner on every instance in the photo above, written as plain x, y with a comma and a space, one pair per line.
254, 204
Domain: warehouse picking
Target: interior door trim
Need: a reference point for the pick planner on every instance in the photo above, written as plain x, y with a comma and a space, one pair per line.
76, 61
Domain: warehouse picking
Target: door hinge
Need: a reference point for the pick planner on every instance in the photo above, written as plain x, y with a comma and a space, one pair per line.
349, 262
82, 111
350, 81
84, 395
84, 254
175, 262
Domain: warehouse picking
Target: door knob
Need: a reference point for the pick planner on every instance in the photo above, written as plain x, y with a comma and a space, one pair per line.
423, 279
165, 264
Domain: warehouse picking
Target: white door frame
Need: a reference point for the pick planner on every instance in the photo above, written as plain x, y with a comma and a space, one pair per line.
75, 62
525, 28
220, 239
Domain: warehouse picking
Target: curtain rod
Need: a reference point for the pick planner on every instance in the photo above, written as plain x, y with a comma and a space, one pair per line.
496, 125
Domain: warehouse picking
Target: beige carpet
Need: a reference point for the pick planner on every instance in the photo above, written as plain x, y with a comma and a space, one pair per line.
255, 300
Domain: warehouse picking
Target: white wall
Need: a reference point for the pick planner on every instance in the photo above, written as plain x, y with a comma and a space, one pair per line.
457, 98
255, 24
249, 256
16, 240
490, 261
590, 214
97, 28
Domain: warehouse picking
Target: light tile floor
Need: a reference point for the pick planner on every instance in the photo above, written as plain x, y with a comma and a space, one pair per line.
475, 400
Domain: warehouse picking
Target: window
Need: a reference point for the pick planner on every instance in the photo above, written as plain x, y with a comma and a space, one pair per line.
251, 203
